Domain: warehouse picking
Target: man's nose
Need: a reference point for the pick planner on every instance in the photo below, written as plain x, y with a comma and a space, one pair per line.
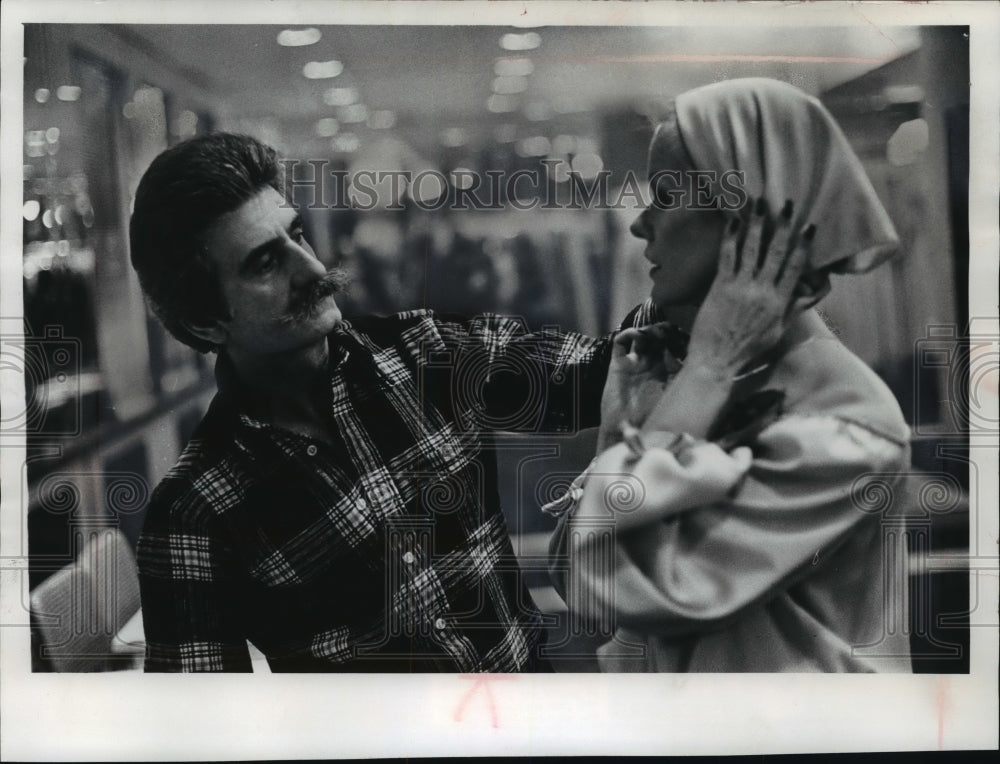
306, 267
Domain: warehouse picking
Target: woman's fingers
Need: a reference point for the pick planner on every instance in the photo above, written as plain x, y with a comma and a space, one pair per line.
773, 261
797, 262
729, 254
755, 236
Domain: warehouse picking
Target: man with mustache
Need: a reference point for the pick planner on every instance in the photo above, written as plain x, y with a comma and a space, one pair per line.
338, 505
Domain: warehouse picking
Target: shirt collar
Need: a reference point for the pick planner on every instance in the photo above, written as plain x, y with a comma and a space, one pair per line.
244, 399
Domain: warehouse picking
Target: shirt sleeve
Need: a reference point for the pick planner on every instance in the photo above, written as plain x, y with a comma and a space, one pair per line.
189, 597
520, 381
695, 564
531, 381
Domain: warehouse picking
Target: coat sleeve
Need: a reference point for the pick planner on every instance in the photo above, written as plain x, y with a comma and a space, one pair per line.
696, 564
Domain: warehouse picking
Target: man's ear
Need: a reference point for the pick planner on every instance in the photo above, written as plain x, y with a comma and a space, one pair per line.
210, 331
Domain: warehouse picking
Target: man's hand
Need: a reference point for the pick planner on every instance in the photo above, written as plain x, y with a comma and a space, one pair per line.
640, 367
754, 294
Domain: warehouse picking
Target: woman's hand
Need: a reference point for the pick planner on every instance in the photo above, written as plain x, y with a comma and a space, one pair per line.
640, 366
744, 315
752, 299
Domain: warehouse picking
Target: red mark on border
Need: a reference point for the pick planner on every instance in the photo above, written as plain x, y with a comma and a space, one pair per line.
481, 680
942, 708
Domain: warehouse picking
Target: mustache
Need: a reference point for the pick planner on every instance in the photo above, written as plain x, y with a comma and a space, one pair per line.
307, 301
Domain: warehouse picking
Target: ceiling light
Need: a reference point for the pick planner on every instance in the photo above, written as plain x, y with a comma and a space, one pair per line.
587, 165
564, 144
381, 119
346, 142
453, 137
536, 146
526, 41
322, 70
294, 38
558, 169
513, 67
500, 104
68, 93
186, 124
537, 111
340, 96
42, 95
353, 113
510, 85
327, 127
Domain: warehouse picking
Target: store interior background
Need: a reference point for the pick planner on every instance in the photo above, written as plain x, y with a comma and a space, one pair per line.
111, 398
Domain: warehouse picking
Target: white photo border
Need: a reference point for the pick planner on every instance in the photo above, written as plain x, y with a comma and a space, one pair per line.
47, 717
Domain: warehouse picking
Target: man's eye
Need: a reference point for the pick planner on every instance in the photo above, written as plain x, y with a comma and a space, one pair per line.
266, 263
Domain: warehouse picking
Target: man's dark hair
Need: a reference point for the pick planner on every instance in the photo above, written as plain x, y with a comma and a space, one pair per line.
182, 194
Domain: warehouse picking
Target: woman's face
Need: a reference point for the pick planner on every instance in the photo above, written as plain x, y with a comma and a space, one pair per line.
682, 243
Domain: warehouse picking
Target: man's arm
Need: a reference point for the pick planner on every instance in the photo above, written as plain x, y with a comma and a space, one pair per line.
521, 381
189, 601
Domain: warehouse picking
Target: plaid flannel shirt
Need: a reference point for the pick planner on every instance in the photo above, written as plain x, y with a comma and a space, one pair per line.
385, 550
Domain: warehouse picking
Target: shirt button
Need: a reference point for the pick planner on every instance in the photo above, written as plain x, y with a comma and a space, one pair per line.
362, 503
440, 624
312, 450
409, 558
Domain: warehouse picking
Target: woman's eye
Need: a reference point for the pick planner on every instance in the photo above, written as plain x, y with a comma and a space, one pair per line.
666, 197
298, 237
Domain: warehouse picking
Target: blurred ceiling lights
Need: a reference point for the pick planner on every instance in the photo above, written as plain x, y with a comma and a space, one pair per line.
68, 93
501, 104
453, 137
295, 38
353, 113
322, 70
510, 85
513, 67
327, 127
382, 119
538, 111
340, 96
526, 41
346, 143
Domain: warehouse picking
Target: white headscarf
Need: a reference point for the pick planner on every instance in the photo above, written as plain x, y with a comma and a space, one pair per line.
789, 147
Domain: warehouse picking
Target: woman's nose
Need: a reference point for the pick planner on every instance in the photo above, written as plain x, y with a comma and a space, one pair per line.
638, 227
